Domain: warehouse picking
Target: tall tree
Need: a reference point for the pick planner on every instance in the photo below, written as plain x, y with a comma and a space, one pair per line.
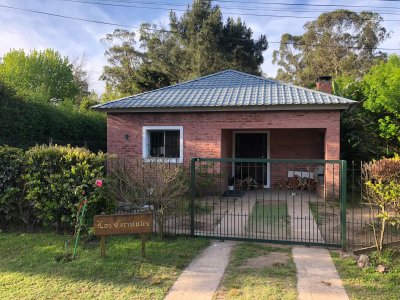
382, 90
81, 77
340, 42
123, 60
199, 43
241, 51
43, 76
196, 44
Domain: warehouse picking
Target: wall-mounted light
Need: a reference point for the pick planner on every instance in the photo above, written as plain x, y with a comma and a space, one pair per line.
127, 137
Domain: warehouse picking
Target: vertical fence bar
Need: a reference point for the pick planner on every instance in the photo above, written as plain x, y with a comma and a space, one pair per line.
343, 195
192, 193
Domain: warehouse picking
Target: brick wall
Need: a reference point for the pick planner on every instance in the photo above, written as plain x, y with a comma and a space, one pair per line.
293, 134
203, 131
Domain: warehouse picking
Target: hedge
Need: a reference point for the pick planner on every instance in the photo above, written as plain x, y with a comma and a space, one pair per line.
46, 185
25, 123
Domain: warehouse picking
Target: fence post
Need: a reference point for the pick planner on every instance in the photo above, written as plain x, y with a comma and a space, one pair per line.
343, 196
50, 141
192, 193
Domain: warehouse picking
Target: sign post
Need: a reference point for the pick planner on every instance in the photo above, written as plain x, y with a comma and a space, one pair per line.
106, 225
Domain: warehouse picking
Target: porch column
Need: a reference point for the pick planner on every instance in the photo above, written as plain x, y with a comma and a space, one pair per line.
332, 152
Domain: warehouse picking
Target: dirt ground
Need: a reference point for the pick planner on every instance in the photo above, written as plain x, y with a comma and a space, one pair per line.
268, 260
358, 219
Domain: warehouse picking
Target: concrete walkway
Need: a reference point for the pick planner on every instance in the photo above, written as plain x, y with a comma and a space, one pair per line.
303, 226
201, 278
317, 277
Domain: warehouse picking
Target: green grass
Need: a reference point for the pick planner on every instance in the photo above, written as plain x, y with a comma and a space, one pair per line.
268, 216
315, 210
367, 283
273, 282
29, 270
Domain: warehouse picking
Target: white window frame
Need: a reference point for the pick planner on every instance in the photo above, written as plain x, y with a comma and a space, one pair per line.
145, 142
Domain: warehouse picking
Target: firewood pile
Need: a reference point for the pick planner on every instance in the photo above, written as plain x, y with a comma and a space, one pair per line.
296, 183
247, 184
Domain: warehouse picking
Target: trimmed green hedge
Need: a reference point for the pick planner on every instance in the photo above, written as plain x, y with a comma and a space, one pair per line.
46, 186
11, 168
25, 123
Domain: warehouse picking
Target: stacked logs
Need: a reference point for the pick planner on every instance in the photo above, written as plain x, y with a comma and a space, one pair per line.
296, 183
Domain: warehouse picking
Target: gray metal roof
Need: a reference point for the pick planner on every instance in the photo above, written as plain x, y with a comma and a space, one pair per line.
227, 89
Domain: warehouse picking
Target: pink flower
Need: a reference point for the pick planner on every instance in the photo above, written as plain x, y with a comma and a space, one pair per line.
99, 182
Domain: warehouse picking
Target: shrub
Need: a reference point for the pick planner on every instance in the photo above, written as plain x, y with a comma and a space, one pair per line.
382, 191
57, 180
11, 166
158, 184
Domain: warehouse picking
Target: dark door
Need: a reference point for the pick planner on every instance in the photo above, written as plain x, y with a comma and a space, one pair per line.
251, 145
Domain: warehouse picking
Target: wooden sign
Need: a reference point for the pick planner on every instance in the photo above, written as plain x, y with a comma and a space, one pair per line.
123, 224
105, 225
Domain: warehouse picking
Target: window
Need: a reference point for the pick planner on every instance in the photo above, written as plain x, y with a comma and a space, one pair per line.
163, 142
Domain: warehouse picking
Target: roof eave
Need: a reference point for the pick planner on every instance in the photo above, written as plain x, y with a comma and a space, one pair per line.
282, 107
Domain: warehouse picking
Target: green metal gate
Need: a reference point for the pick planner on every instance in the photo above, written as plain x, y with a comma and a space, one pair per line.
269, 200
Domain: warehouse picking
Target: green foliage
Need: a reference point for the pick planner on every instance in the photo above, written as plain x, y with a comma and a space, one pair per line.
23, 122
360, 139
199, 43
196, 44
382, 193
123, 60
11, 166
382, 258
58, 179
112, 93
46, 185
367, 283
340, 42
42, 76
382, 90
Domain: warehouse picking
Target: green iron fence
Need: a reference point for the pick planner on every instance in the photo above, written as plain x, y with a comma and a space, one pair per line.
269, 200
361, 217
309, 202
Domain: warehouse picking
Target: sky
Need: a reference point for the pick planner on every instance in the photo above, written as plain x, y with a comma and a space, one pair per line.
28, 30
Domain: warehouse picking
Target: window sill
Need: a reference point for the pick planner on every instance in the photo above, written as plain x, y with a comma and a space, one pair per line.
165, 160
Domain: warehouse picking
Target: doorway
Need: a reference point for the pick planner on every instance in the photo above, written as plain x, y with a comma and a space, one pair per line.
252, 145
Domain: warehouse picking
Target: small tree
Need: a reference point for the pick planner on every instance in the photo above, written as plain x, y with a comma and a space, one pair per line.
382, 192
144, 184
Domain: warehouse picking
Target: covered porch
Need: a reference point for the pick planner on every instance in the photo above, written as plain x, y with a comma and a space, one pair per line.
287, 144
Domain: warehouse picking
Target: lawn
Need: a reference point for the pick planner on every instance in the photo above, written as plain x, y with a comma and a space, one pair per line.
257, 271
270, 219
29, 268
367, 283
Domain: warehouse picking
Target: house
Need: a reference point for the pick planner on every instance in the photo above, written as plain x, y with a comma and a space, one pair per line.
224, 115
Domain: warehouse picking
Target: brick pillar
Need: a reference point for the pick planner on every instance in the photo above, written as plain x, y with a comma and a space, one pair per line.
332, 152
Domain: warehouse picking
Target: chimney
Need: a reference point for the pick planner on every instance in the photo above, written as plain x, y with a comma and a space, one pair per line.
324, 84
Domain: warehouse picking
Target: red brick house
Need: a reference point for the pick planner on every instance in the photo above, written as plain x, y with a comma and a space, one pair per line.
227, 114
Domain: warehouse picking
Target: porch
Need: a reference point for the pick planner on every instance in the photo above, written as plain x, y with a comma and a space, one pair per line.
285, 148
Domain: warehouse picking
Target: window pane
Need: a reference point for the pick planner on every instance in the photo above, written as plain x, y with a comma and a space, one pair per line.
172, 144
156, 143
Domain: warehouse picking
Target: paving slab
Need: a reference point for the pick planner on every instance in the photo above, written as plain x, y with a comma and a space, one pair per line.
317, 277
201, 278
